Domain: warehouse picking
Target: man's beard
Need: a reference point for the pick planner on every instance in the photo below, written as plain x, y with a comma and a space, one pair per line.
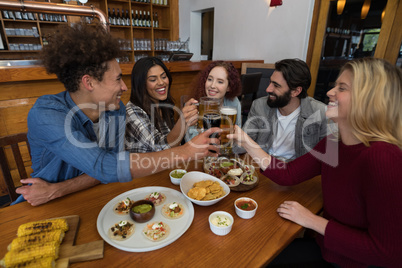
280, 101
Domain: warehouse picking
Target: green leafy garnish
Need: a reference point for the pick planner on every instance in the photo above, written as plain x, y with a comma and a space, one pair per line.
244, 206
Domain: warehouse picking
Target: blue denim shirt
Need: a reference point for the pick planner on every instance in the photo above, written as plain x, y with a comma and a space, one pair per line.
64, 144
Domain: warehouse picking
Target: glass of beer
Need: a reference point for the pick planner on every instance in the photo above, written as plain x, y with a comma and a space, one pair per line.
228, 120
210, 120
207, 105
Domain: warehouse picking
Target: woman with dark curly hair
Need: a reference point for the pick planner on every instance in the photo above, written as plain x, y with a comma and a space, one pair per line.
150, 112
219, 80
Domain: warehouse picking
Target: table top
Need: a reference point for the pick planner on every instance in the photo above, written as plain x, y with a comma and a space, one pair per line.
251, 243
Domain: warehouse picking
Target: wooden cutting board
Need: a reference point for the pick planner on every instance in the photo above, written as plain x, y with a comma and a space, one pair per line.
71, 253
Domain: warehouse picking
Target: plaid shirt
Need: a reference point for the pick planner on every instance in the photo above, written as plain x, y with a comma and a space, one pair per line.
141, 134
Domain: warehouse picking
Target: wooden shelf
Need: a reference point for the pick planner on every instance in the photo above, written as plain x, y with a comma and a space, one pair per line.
166, 17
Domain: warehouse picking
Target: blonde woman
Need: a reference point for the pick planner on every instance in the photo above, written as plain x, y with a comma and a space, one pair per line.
360, 168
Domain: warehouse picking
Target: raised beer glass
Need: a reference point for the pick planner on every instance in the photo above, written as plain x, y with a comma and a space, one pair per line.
228, 120
207, 105
210, 120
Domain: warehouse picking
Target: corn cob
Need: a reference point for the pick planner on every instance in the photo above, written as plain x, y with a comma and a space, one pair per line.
40, 238
47, 262
41, 226
16, 257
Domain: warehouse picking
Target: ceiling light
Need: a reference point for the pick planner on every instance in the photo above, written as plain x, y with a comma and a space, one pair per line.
340, 6
365, 9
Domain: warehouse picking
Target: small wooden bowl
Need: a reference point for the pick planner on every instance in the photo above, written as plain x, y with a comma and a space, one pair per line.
142, 217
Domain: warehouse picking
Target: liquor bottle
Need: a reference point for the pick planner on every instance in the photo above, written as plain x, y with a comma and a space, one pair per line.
140, 19
137, 18
128, 18
132, 18
144, 19
148, 19
114, 17
109, 14
123, 18
118, 18
156, 20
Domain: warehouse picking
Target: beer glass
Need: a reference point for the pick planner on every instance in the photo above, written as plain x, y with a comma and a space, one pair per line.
210, 120
228, 120
207, 105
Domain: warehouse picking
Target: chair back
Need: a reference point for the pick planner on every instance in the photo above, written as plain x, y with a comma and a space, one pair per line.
265, 68
250, 83
13, 142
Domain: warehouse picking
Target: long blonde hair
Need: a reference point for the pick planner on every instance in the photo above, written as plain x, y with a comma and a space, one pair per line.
376, 108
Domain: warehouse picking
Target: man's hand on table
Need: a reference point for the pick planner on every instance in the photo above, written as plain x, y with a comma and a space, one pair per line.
38, 192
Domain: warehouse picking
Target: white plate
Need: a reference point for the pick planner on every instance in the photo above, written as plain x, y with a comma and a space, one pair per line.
137, 242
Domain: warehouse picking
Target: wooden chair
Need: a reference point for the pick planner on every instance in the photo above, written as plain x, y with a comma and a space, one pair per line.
13, 141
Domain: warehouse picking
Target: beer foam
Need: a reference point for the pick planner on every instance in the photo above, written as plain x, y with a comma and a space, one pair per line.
228, 111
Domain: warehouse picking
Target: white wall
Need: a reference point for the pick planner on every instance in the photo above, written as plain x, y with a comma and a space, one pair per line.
249, 29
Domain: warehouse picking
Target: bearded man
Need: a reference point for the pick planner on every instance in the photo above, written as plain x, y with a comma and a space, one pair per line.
287, 123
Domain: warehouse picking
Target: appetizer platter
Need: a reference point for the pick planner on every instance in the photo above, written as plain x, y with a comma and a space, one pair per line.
237, 175
173, 215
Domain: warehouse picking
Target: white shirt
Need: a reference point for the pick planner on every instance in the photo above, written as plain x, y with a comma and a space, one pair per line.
283, 146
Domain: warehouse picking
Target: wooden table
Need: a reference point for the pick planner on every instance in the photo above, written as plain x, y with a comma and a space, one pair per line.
251, 243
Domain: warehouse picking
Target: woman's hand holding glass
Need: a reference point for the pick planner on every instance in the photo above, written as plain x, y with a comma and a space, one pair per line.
190, 112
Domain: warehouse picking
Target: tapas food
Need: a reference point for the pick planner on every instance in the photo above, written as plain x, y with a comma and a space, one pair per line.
121, 230
156, 231
173, 210
248, 178
123, 207
206, 190
156, 197
230, 180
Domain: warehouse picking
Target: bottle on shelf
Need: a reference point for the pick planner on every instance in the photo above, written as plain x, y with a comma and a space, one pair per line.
156, 20
113, 17
148, 19
144, 19
140, 18
118, 18
109, 14
128, 18
136, 20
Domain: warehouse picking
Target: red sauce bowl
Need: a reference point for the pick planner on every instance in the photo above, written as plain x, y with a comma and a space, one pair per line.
245, 207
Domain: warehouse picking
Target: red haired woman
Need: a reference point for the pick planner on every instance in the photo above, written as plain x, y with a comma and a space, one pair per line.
219, 80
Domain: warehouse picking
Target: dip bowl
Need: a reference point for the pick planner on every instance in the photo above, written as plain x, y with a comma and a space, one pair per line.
245, 207
220, 222
145, 216
176, 175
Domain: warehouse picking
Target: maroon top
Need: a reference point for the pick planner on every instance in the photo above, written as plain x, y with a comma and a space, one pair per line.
362, 199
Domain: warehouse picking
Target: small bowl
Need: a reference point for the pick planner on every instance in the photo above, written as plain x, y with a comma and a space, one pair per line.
224, 229
243, 213
174, 180
142, 217
192, 177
